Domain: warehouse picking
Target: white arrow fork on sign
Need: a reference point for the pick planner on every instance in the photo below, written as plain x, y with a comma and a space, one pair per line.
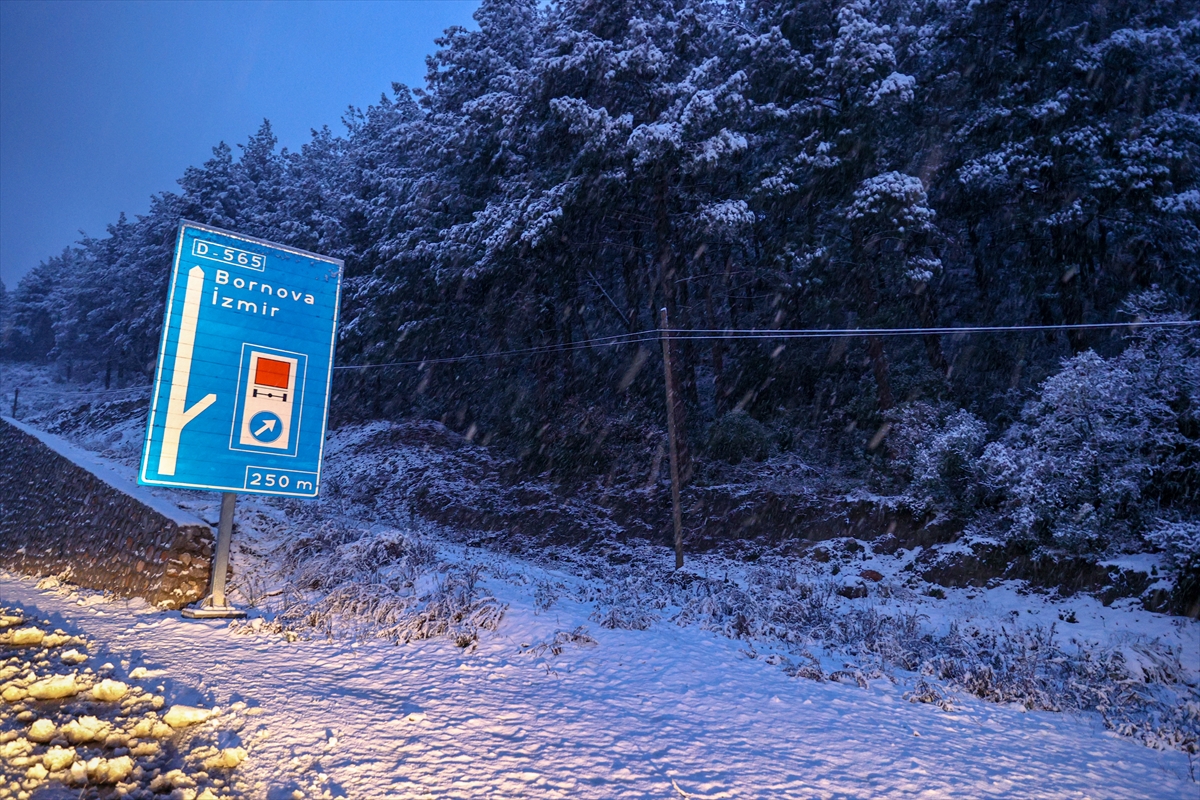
178, 414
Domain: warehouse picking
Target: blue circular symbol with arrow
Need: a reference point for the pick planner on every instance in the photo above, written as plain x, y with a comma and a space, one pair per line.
266, 426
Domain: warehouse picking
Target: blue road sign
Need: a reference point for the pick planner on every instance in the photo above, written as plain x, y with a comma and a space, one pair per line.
241, 394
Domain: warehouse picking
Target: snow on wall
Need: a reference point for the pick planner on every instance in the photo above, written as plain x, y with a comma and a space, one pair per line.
61, 510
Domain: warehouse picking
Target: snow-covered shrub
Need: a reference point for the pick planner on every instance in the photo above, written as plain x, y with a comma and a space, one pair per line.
724, 608
809, 669
358, 583
1006, 666
926, 692
627, 601
333, 553
312, 560
1180, 543
545, 595
1142, 691
625, 618
558, 643
1106, 444
455, 606
458, 607
889, 641
737, 436
936, 448
793, 605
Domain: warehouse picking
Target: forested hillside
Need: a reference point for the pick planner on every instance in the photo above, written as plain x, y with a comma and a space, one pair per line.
570, 169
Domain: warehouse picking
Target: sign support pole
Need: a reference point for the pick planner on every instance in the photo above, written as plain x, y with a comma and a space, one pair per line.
215, 606
672, 434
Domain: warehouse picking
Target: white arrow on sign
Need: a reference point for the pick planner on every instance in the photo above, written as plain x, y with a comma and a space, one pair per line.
178, 414
269, 425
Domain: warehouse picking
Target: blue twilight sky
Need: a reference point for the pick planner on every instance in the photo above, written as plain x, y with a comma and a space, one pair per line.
104, 103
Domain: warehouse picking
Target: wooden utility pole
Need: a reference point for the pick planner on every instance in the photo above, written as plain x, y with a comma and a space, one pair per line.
672, 438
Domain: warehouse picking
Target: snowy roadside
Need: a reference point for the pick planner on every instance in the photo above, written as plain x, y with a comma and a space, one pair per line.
669, 711
569, 673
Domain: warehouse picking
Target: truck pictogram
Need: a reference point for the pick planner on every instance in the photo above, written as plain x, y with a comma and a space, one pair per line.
270, 400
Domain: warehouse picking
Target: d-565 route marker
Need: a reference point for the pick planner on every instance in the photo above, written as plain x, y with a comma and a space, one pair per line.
241, 391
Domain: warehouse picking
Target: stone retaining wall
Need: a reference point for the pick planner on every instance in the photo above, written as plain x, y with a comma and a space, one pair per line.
62, 511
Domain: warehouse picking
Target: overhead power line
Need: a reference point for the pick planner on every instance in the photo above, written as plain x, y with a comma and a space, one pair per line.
698, 334
127, 389
603, 341
821, 333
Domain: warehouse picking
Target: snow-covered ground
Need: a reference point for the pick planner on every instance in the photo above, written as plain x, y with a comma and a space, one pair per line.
385, 657
666, 712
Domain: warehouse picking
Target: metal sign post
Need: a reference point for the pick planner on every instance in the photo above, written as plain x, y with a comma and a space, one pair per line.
215, 605
241, 393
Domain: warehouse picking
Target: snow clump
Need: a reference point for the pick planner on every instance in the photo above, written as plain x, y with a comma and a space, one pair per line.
893, 196
58, 758
73, 656
42, 731
86, 729
897, 86
109, 691
185, 716
54, 687
26, 637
